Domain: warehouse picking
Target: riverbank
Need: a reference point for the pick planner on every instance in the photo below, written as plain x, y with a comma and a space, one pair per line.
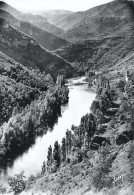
75, 106
20, 132
101, 154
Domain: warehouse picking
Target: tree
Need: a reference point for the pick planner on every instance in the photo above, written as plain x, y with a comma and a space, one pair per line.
49, 156
103, 105
30, 128
44, 167
68, 141
88, 126
95, 106
63, 149
56, 154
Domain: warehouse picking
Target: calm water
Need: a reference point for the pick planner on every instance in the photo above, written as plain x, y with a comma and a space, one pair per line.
80, 99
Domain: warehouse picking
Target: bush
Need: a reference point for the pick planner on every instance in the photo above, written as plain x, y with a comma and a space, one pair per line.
121, 85
17, 182
95, 106
30, 181
100, 176
2, 189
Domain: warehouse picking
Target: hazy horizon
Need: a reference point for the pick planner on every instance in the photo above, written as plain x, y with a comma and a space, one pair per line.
70, 5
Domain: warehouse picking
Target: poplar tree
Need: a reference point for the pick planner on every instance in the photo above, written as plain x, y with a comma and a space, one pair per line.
56, 153
68, 141
49, 156
63, 149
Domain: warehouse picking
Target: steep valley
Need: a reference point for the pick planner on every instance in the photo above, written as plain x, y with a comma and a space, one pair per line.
27, 51
90, 150
44, 38
37, 20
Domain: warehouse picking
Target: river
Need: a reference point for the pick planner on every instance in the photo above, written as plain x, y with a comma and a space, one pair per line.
80, 100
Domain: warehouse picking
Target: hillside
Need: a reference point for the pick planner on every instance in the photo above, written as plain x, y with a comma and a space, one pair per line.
7, 16
42, 23
97, 21
37, 20
44, 38
27, 51
18, 86
28, 99
109, 45
101, 52
96, 157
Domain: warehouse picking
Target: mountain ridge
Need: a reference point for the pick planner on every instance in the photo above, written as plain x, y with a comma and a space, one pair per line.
44, 38
28, 52
99, 20
39, 21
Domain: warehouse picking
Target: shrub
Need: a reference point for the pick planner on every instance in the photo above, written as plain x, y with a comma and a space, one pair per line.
17, 182
2, 189
100, 176
121, 85
95, 106
30, 180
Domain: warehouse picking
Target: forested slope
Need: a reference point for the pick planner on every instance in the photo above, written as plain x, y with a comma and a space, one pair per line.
28, 100
28, 52
96, 156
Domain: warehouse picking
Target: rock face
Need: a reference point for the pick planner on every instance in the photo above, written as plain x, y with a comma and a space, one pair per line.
27, 51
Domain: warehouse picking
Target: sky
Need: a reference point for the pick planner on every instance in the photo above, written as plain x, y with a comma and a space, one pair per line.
72, 5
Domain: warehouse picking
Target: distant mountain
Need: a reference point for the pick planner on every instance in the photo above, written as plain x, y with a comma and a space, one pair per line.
44, 38
42, 23
55, 17
96, 21
37, 20
115, 51
28, 52
68, 21
109, 35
